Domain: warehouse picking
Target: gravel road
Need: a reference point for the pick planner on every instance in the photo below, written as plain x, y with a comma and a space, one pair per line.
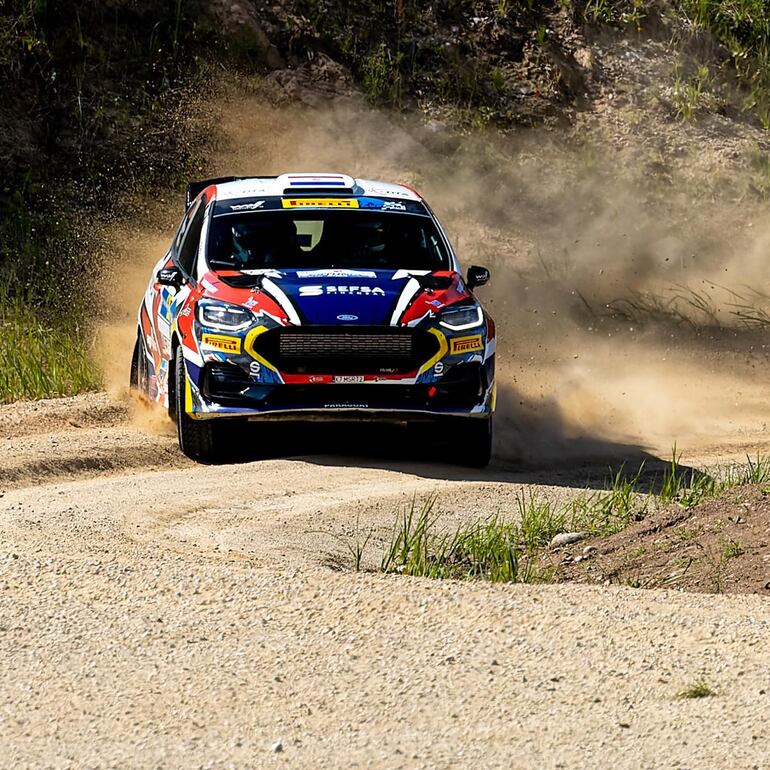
159, 614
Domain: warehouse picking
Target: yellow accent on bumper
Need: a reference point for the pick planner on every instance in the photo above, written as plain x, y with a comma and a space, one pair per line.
442, 351
248, 346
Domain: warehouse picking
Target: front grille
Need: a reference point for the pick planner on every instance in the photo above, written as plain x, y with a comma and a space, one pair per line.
335, 350
342, 345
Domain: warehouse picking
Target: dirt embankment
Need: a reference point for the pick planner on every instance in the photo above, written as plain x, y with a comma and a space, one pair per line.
722, 546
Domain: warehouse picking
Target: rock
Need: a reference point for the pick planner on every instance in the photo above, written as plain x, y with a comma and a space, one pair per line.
277, 747
245, 33
567, 538
436, 127
315, 82
589, 551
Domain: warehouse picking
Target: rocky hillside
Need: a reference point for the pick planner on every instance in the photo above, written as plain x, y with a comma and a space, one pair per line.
97, 99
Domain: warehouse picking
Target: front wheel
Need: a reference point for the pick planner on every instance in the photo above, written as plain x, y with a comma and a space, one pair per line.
198, 439
472, 446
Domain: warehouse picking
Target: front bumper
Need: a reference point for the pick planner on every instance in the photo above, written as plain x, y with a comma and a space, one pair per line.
340, 373
225, 391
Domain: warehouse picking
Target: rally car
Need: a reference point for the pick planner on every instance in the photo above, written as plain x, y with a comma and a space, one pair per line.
315, 296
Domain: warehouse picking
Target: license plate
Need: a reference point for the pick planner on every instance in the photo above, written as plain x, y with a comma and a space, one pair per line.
344, 379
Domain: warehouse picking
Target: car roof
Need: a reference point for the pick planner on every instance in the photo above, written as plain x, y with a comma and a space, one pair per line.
299, 182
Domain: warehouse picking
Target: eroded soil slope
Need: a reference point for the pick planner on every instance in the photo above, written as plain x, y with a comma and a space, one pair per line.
719, 546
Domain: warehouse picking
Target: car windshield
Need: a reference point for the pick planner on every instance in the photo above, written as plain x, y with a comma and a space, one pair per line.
325, 239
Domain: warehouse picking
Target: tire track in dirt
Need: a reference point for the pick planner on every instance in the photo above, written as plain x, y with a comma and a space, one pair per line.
159, 613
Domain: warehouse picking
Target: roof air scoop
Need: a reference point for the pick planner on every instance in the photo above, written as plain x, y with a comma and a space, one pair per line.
316, 184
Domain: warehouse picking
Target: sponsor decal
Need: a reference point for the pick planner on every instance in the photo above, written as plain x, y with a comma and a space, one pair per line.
346, 406
166, 300
336, 273
310, 203
222, 342
350, 291
267, 273
381, 205
250, 303
186, 311
347, 317
247, 206
393, 192
466, 344
347, 379
255, 368
438, 369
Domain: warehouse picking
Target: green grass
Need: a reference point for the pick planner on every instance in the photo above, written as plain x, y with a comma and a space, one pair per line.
506, 550
539, 520
732, 550
381, 75
511, 549
42, 360
605, 512
487, 550
743, 27
615, 11
699, 689
688, 93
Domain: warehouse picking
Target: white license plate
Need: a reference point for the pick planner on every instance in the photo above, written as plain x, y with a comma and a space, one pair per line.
345, 379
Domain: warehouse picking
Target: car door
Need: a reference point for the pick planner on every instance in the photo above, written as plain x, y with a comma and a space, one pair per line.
166, 300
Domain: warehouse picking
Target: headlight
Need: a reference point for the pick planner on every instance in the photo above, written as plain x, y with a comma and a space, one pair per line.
460, 318
224, 316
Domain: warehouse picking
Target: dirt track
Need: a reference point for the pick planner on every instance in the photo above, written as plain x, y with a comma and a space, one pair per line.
154, 613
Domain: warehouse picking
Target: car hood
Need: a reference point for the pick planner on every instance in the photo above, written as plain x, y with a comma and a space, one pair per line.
339, 296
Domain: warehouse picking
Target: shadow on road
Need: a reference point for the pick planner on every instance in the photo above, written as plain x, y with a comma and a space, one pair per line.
583, 462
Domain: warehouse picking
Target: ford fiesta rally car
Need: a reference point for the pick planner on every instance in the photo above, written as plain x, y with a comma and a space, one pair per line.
315, 296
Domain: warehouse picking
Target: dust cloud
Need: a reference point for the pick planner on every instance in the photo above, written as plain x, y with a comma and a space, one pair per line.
134, 252
629, 308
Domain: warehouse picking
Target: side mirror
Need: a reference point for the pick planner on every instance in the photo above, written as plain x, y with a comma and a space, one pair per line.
477, 276
170, 276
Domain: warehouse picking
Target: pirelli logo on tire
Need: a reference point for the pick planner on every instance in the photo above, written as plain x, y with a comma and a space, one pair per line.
316, 203
466, 344
221, 342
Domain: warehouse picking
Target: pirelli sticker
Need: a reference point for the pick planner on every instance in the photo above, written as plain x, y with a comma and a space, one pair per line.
315, 203
222, 342
466, 344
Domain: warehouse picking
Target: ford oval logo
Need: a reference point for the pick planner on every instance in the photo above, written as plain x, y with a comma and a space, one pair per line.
347, 317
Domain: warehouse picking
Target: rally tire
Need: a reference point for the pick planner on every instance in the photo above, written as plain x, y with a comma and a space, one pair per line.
474, 444
198, 439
